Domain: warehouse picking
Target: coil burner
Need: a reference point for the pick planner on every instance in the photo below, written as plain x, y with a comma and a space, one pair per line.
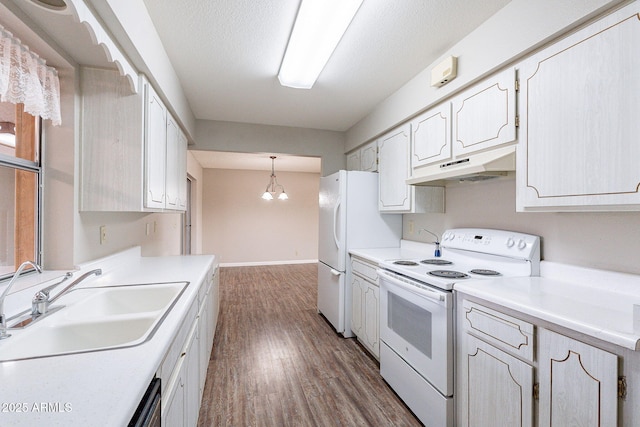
404, 262
484, 272
436, 261
448, 274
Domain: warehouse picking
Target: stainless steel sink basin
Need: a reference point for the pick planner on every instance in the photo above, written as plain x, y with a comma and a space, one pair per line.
95, 319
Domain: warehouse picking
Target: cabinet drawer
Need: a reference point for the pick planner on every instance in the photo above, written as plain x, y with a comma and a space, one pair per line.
501, 330
365, 269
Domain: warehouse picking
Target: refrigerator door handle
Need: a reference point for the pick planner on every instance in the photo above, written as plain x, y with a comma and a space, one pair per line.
335, 224
335, 272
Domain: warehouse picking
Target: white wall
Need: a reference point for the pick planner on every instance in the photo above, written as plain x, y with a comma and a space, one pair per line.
242, 228
604, 240
518, 28
255, 138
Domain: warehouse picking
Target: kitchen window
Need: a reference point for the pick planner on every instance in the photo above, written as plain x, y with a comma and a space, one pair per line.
20, 187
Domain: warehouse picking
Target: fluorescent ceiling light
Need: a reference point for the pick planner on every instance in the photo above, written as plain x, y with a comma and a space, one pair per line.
319, 27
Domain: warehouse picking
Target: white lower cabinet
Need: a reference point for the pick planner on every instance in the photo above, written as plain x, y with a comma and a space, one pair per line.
500, 387
578, 383
192, 383
505, 363
365, 304
173, 408
184, 369
495, 387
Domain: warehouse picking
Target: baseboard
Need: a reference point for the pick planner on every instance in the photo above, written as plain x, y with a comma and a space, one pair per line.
253, 264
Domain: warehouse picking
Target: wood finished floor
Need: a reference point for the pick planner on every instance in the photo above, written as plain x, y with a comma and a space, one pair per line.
277, 362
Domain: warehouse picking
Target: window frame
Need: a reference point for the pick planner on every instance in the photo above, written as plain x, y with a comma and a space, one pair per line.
36, 167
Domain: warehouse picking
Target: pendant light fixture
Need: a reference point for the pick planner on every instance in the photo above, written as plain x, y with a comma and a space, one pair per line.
273, 187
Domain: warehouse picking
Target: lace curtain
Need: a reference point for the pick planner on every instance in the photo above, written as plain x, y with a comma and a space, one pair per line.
25, 78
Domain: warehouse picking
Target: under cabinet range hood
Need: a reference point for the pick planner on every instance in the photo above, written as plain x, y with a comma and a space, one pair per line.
474, 167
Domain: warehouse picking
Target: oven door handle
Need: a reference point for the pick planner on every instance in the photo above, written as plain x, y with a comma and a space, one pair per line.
433, 295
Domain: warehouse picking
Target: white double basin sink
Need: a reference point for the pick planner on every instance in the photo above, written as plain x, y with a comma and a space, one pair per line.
95, 319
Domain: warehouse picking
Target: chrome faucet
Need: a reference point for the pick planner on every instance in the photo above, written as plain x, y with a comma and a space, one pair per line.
437, 252
41, 301
3, 317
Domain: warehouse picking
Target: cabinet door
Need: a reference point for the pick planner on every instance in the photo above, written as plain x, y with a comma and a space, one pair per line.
183, 197
155, 150
484, 116
369, 157
357, 299
174, 410
172, 164
500, 388
112, 143
395, 194
579, 122
203, 343
578, 383
371, 331
431, 136
353, 161
192, 382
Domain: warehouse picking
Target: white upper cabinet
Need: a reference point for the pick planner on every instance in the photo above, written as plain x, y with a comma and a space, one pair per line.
431, 136
484, 116
176, 167
394, 167
395, 194
112, 143
580, 110
369, 157
156, 150
353, 160
364, 158
132, 150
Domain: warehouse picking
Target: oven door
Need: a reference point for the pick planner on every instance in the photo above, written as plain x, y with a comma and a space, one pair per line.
416, 322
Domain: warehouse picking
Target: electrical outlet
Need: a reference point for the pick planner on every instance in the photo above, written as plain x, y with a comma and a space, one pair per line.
147, 228
410, 227
103, 234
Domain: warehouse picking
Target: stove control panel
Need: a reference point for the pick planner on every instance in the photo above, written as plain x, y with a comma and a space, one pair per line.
496, 242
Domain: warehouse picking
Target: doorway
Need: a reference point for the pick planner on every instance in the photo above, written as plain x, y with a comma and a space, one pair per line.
186, 222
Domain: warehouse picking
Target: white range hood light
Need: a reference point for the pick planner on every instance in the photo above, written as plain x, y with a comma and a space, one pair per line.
476, 167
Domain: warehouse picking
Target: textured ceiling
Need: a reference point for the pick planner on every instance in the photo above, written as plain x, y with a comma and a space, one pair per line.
227, 55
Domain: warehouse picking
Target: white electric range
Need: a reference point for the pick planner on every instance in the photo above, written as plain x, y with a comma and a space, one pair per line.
416, 311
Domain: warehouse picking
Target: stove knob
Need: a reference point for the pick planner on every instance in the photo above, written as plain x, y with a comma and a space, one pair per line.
522, 244
510, 242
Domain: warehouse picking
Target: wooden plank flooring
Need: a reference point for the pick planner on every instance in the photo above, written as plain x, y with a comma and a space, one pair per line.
277, 362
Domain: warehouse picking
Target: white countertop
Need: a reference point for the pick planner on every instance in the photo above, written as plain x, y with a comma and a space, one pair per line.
408, 249
105, 387
597, 303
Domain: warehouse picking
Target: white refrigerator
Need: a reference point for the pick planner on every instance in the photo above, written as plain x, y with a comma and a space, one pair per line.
349, 218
